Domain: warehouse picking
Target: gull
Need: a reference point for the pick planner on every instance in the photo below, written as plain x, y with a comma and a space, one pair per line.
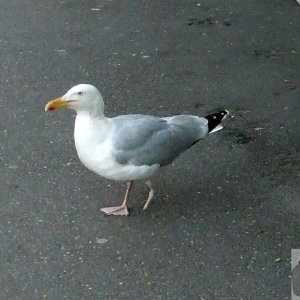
129, 147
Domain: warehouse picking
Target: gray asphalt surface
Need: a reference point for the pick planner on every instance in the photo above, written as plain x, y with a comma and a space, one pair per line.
225, 215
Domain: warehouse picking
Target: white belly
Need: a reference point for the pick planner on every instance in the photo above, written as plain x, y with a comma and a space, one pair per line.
95, 152
99, 159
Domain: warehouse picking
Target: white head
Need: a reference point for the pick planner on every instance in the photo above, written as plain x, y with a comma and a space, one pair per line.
81, 98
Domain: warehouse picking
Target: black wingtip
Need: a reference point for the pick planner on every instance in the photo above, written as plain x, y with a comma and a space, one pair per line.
215, 119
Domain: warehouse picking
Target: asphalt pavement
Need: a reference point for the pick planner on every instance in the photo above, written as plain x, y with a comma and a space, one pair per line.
225, 215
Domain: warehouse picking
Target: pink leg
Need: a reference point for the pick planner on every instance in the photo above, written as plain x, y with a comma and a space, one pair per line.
120, 210
151, 194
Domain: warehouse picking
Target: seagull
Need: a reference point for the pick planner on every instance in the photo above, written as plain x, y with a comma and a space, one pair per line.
129, 147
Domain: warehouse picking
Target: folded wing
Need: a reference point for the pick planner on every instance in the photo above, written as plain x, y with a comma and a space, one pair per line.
147, 140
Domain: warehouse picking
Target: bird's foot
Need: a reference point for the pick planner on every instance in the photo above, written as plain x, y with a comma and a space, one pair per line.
116, 210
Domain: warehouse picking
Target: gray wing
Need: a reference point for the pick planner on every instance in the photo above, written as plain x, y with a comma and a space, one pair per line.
148, 140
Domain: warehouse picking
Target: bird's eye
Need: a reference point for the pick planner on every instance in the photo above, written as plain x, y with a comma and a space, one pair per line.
80, 93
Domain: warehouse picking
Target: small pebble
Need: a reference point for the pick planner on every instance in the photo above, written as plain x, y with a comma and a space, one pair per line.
101, 241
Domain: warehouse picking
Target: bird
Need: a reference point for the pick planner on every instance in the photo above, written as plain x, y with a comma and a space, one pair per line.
130, 147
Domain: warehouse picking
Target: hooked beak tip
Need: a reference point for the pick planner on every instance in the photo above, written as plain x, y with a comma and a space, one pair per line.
55, 104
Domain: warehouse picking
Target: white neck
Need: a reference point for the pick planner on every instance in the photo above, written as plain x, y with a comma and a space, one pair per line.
95, 111
89, 128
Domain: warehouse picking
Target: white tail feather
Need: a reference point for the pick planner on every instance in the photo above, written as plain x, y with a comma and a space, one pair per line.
217, 128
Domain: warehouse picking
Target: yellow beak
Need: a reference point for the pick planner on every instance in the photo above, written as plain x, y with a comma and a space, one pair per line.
55, 104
